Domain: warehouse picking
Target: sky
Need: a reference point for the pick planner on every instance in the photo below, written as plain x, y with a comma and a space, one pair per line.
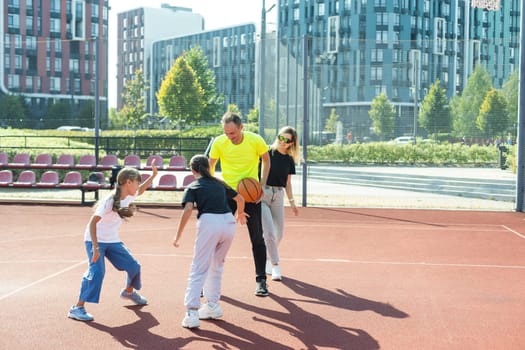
216, 13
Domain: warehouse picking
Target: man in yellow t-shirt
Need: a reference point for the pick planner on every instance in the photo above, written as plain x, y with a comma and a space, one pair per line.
239, 153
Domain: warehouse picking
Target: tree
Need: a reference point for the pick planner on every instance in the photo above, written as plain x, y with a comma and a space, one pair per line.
510, 91
57, 114
13, 112
134, 109
434, 115
331, 122
382, 115
116, 120
214, 102
86, 115
465, 107
181, 97
493, 118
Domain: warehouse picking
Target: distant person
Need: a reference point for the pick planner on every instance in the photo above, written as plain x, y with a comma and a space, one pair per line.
215, 231
284, 153
102, 242
239, 152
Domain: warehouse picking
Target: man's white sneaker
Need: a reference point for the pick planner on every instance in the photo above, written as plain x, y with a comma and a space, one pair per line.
191, 319
276, 273
210, 311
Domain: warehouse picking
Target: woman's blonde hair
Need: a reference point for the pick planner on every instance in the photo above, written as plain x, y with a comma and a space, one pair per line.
123, 176
293, 150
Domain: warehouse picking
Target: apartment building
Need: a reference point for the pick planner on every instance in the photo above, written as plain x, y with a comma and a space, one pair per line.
231, 56
356, 49
139, 28
49, 55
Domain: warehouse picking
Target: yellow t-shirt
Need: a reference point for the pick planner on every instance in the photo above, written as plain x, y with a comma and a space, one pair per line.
239, 161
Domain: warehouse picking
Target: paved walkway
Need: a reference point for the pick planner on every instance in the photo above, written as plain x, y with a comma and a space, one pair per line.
329, 194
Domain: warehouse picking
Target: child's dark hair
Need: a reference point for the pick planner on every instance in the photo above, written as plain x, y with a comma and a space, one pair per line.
124, 175
201, 164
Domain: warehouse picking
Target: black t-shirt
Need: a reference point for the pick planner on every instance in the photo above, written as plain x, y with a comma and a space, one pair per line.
210, 196
281, 165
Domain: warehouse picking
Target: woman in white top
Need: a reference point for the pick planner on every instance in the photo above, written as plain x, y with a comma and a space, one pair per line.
103, 242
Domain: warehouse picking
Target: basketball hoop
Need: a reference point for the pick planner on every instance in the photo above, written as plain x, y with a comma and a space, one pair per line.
490, 5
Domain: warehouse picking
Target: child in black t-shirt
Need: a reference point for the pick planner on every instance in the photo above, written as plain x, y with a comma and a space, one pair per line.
215, 231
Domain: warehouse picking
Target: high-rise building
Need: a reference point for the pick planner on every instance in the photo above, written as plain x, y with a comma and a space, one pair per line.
139, 28
357, 49
49, 56
231, 56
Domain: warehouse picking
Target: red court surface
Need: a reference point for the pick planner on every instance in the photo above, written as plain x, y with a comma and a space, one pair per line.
353, 279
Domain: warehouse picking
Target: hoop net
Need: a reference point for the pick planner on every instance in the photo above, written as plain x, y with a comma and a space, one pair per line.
491, 5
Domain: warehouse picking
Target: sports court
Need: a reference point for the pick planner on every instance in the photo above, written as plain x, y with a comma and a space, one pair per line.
353, 279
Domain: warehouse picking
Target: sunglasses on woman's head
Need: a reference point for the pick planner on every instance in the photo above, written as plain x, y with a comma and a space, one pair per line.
284, 139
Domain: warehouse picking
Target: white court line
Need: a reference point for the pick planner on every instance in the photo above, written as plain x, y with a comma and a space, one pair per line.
349, 261
41, 280
515, 232
35, 261
422, 263
39, 238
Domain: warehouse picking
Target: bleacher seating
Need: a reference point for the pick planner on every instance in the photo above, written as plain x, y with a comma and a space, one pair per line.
20, 160
6, 178
132, 160
86, 162
4, 159
73, 179
81, 175
167, 182
42, 161
108, 162
27, 178
177, 163
64, 161
159, 162
49, 179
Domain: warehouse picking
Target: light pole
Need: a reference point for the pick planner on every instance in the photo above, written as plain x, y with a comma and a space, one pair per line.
97, 95
262, 66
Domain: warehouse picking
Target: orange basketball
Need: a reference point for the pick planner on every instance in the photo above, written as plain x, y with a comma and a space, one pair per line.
250, 189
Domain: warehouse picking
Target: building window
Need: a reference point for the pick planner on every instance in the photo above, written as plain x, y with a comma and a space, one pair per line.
216, 51
18, 41
54, 84
377, 55
475, 51
31, 43
29, 23
7, 61
78, 21
54, 26
58, 45
55, 6
381, 36
58, 64
320, 9
333, 34
376, 73
13, 21
440, 42
29, 82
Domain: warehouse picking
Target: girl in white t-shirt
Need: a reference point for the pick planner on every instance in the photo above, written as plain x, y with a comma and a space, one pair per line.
103, 242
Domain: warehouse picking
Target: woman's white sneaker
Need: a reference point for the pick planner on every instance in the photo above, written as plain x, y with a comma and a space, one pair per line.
276, 273
210, 311
191, 319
